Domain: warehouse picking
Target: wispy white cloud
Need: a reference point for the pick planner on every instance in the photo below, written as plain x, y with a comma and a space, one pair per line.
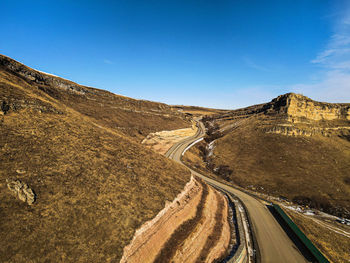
323, 56
333, 87
332, 83
250, 63
107, 61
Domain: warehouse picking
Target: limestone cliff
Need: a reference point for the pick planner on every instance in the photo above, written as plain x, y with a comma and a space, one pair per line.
289, 114
298, 115
298, 107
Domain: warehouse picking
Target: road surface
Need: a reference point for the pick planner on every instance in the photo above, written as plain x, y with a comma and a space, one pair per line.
274, 244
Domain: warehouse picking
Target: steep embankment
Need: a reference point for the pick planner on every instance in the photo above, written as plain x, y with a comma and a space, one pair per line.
193, 228
292, 147
161, 141
74, 147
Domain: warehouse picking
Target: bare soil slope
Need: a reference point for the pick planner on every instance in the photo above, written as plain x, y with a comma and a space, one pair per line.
76, 147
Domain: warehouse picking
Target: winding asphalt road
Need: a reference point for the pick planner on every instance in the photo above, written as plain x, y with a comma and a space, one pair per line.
274, 244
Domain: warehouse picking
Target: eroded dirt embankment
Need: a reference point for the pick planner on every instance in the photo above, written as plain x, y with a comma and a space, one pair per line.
161, 141
192, 228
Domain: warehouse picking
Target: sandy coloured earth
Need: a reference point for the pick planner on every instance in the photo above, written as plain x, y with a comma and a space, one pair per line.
163, 236
161, 141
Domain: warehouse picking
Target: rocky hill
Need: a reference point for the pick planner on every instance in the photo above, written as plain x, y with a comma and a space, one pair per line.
135, 118
298, 108
75, 180
292, 147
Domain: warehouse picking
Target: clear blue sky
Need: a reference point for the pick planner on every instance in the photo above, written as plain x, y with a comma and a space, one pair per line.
223, 54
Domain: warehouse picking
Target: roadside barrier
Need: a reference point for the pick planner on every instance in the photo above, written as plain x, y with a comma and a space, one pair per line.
296, 230
240, 255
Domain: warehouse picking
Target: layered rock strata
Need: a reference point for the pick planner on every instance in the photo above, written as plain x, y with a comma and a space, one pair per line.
194, 227
290, 130
297, 106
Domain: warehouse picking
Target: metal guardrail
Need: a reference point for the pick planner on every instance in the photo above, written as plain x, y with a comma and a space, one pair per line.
242, 255
297, 231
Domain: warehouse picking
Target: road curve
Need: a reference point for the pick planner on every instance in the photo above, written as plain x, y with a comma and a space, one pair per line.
274, 244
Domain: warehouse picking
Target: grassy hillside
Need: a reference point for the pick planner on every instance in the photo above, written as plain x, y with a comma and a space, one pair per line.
78, 149
197, 111
135, 118
266, 148
313, 171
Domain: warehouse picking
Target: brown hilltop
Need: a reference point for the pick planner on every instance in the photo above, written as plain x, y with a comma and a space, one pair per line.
78, 186
135, 118
78, 150
292, 146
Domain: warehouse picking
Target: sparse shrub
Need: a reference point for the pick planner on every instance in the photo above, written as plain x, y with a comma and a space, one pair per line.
316, 202
347, 180
224, 172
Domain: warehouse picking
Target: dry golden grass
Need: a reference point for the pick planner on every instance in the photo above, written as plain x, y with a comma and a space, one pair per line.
198, 111
95, 184
181, 233
296, 167
335, 246
313, 170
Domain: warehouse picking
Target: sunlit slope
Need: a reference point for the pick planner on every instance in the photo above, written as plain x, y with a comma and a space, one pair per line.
291, 147
94, 183
132, 117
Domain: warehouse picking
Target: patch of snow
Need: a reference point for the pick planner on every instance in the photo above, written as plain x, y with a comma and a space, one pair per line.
47, 73
297, 209
210, 148
309, 213
189, 146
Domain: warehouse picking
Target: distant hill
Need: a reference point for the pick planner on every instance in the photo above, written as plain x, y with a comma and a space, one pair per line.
292, 147
132, 117
76, 150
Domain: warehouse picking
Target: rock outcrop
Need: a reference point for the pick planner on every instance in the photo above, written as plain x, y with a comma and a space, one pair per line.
292, 115
162, 141
291, 130
22, 191
41, 77
297, 106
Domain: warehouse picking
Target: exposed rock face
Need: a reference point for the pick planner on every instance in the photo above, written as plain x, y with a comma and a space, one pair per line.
297, 106
162, 141
22, 190
40, 77
301, 116
11, 104
291, 130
